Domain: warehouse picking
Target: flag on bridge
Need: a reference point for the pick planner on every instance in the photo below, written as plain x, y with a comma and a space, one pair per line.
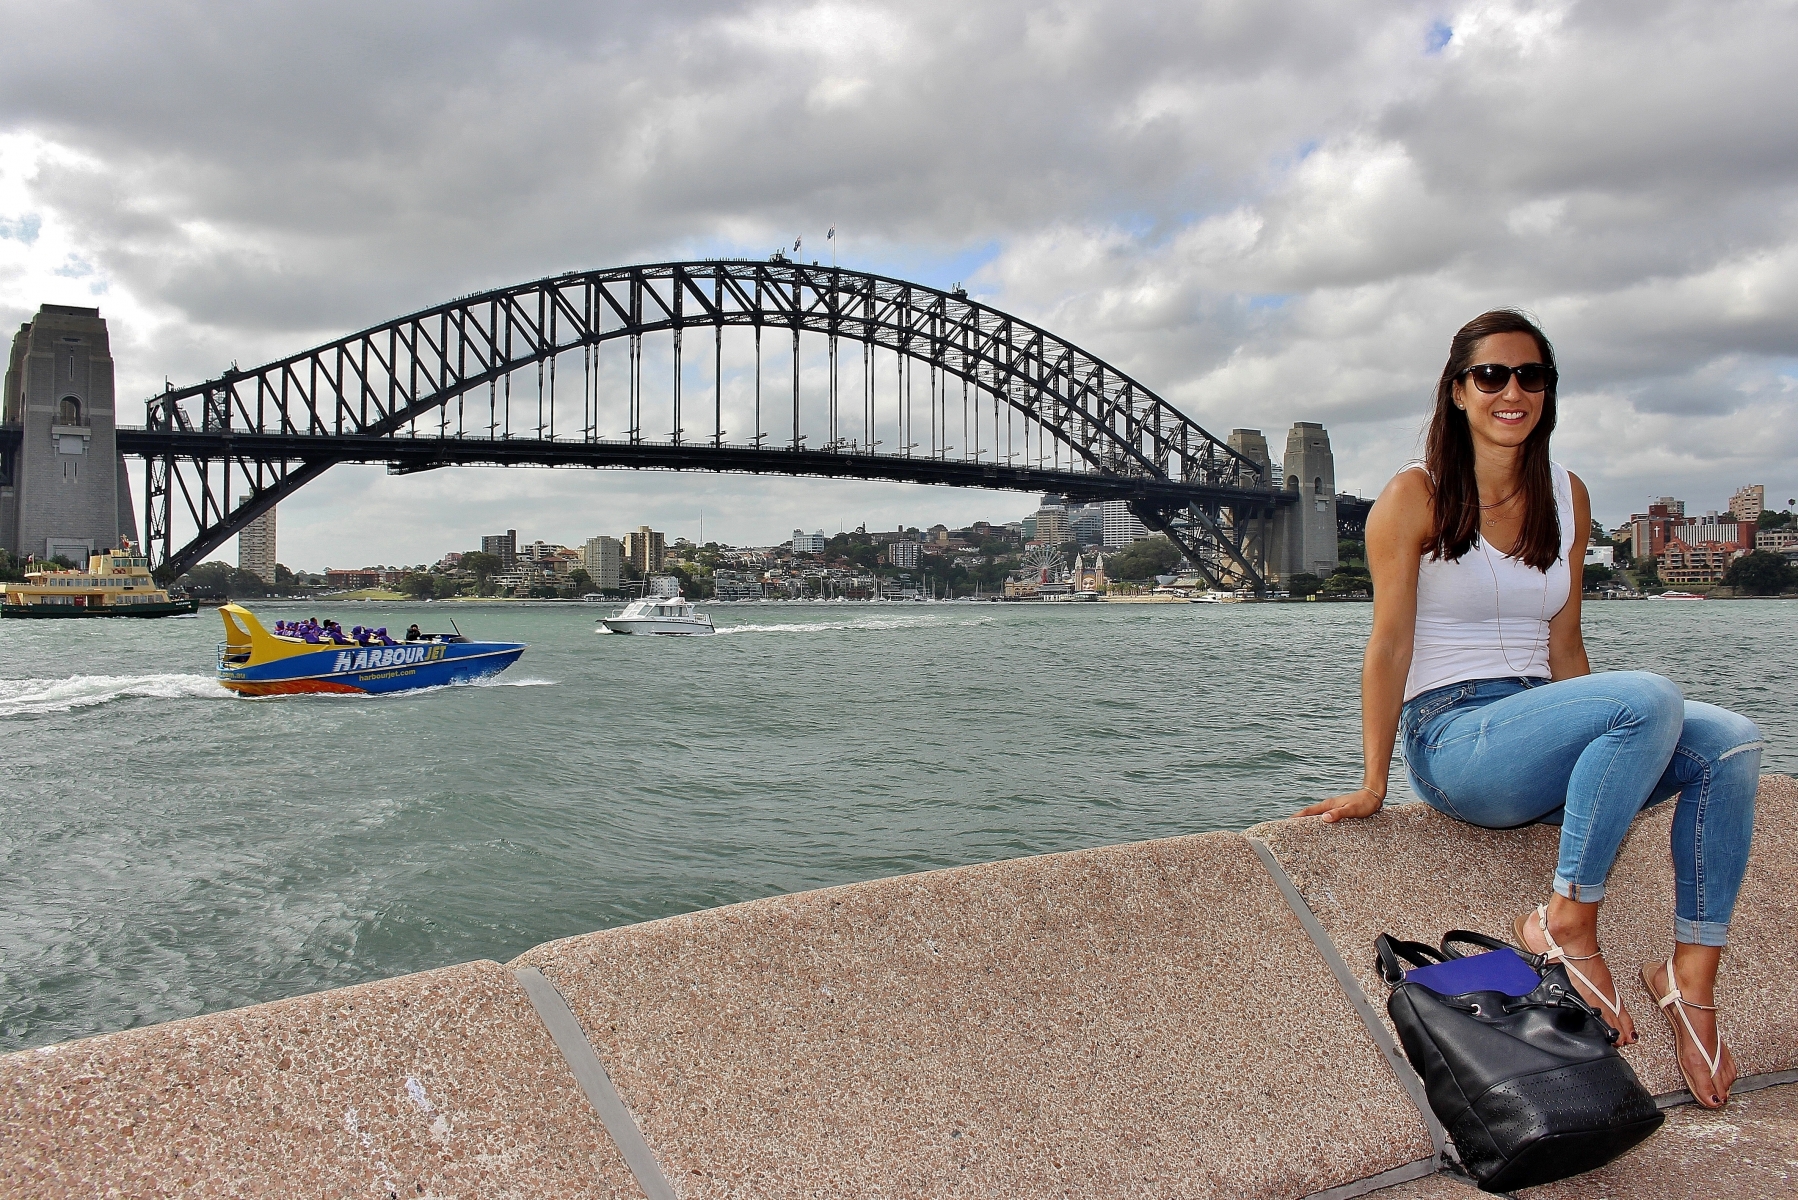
831, 234
796, 242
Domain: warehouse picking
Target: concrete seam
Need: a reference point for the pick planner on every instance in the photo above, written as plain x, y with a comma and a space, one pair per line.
1741, 1087
1410, 1171
1345, 979
552, 1009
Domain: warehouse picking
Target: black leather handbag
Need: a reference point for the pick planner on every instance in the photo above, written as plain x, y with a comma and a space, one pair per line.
1530, 1087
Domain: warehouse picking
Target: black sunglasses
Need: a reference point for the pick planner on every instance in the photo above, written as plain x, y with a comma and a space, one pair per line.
1492, 377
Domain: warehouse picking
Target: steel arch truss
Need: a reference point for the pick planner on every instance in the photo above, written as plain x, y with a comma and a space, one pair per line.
436, 388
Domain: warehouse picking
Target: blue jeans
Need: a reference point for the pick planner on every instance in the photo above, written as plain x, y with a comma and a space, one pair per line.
1589, 754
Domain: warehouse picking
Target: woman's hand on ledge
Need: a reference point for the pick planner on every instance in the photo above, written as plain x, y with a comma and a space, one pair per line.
1362, 802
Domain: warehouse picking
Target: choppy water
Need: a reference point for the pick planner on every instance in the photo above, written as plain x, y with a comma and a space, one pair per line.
168, 849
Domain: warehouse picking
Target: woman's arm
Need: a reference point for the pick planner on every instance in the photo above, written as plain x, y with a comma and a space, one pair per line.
1566, 648
1396, 530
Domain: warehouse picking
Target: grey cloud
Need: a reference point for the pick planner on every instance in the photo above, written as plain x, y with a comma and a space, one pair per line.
1265, 211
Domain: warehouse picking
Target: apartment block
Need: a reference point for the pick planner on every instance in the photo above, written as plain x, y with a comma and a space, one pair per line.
644, 550
1748, 503
256, 547
603, 559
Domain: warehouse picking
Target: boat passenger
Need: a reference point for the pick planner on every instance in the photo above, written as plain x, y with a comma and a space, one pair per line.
385, 640
412, 633
1502, 720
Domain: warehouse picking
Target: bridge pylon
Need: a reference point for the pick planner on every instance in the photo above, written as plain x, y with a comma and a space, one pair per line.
62, 480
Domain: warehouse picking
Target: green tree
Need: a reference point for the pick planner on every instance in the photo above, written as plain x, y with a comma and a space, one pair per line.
63, 561
1596, 573
483, 567
222, 581
1773, 520
1304, 584
11, 569
1143, 558
1351, 550
418, 585
581, 581
1762, 573
1348, 580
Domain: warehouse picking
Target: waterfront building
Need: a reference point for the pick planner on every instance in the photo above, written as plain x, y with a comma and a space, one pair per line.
1120, 525
808, 543
1711, 527
603, 559
1051, 525
644, 550
1602, 556
903, 554
1650, 532
1748, 503
736, 585
256, 547
1705, 562
665, 587
1782, 538
353, 581
503, 547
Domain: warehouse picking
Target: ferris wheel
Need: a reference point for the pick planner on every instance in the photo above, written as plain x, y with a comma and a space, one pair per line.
1044, 562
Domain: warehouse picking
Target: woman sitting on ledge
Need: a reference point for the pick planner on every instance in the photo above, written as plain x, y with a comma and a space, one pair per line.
1476, 611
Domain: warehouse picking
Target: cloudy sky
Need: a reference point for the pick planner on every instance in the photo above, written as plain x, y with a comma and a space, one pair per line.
1266, 211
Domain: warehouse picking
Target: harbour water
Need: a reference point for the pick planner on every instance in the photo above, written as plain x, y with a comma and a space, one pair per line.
167, 849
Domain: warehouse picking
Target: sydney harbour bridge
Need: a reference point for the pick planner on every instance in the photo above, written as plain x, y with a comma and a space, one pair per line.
770, 367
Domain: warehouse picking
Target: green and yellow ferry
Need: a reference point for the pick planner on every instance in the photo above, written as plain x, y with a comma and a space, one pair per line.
117, 583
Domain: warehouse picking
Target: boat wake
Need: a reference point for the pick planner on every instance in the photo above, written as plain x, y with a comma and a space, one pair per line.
876, 624
37, 697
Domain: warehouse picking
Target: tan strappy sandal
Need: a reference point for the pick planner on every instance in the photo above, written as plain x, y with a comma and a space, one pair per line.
1556, 954
1712, 1058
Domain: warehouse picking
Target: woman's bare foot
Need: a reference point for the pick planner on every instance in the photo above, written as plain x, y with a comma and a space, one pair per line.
1697, 981
1578, 936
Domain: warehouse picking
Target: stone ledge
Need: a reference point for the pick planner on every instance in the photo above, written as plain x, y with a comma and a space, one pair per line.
1133, 1020
439, 1083
1414, 873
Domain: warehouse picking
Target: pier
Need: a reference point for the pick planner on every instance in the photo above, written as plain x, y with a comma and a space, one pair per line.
1192, 1016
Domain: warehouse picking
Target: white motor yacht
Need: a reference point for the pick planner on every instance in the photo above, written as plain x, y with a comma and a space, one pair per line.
667, 615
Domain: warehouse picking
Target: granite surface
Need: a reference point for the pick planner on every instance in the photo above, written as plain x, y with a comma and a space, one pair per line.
1748, 1151
1414, 873
438, 1084
1139, 1020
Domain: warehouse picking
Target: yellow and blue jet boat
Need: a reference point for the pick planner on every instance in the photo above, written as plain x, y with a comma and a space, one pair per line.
254, 662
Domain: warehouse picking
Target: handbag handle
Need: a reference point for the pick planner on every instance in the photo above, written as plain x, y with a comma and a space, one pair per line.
1390, 950
1467, 937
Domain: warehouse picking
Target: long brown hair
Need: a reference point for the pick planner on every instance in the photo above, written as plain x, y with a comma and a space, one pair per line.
1449, 455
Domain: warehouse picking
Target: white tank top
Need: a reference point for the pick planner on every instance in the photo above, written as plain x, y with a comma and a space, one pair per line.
1486, 615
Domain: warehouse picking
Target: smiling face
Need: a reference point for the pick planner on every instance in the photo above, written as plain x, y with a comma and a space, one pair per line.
1502, 418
